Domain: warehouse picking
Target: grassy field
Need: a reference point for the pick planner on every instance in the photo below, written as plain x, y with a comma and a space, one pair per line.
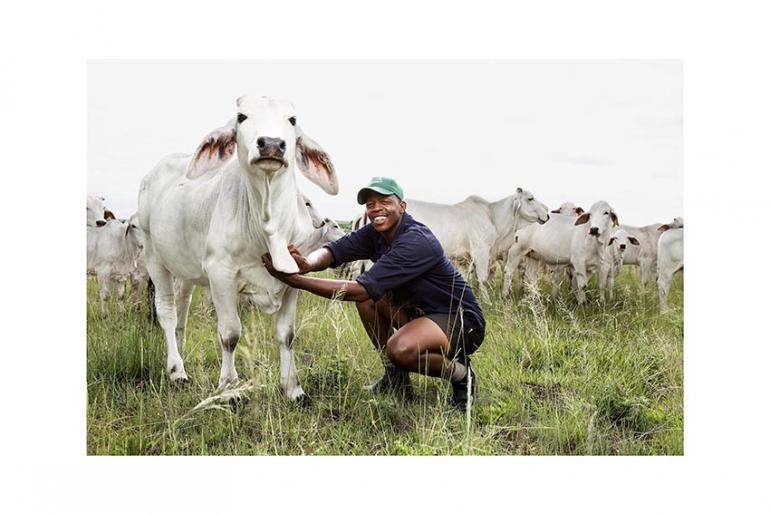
554, 379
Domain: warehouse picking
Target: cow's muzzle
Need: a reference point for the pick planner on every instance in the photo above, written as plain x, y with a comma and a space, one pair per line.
594, 231
272, 152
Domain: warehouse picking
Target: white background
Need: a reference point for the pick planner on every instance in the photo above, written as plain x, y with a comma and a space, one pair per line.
575, 131
726, 108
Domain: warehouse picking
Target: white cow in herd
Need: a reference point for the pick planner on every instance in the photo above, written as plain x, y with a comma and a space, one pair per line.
112, 253
95, 211
479, 231
644, 255
612, 260
670, 258
210, 216
566, 240
326, 230
557, 273
570, 209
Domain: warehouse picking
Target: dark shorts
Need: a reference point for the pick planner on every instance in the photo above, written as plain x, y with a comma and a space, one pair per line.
463, 341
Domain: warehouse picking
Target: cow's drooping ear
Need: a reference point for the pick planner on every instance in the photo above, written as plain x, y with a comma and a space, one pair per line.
633, 240
583, 218
614, 218
108, 215
315, 163
609, 243
216, 149
579, 210
663, 228
519, 190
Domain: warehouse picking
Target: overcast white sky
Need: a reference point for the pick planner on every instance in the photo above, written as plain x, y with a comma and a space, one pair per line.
575, 131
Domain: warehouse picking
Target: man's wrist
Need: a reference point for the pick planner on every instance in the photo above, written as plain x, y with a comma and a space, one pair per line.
293, 279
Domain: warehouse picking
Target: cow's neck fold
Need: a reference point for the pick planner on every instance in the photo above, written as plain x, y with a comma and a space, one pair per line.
272, 200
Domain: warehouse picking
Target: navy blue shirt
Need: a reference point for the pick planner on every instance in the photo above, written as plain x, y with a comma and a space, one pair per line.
414, 270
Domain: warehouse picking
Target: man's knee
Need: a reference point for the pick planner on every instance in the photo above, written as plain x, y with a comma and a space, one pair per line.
400, 352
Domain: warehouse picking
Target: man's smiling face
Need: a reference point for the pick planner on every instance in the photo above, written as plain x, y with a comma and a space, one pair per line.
385, 211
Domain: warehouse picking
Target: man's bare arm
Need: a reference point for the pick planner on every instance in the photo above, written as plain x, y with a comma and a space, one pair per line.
346, 290
317, 260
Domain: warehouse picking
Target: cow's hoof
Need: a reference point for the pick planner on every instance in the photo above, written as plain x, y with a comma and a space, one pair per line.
303, 401
179, 380
232, 399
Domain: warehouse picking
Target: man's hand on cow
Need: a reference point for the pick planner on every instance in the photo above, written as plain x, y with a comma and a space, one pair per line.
267, 260
302, 263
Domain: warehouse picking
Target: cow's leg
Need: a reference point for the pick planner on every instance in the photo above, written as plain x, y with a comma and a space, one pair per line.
511, 265
611, 283
665, 276
183, 293
480, 258
531, 274
103, 279
603, 279
120, 292
284, 334
557, 273
136, 290
581, 281
224, 293
165, 307
646, 270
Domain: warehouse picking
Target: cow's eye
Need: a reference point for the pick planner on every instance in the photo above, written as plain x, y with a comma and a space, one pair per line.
293, 121
530, 199
307, 204
242, 117
606, 213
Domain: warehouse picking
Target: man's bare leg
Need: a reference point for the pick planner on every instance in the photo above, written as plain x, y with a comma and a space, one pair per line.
379, 321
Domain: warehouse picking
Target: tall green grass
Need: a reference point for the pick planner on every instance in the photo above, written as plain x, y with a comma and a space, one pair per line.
554, 378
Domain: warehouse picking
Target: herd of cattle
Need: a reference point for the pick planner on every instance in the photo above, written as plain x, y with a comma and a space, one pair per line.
205, 219
522, 235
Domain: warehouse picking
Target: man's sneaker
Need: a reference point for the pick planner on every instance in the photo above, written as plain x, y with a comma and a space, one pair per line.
459, 399
394, 381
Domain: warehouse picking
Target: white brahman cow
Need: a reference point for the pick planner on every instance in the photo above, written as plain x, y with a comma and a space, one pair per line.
556, 273
670, 258
565, 240
646, 254
612, 260
570, 209
208, 218
479, 231
326, 229
112, 250
95, 211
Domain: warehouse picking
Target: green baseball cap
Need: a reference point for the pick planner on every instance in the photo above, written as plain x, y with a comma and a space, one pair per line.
382, 185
